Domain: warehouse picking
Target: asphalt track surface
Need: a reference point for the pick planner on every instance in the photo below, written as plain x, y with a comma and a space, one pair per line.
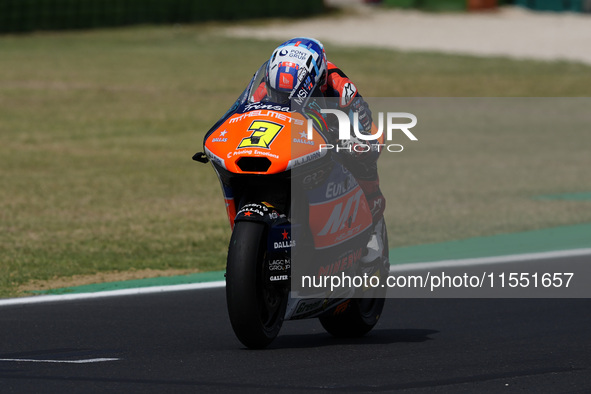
182, 342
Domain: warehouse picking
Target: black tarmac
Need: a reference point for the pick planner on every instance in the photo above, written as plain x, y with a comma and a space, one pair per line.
182, 342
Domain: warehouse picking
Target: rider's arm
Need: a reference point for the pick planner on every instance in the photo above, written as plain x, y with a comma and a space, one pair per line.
260, 93
339, 85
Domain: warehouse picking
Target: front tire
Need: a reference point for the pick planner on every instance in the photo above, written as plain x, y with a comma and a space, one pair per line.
256, 309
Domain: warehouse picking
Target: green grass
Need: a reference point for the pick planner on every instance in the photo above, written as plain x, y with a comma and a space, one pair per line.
480, 165
97, 130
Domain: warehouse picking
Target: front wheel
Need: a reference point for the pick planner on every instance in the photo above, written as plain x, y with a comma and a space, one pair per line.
256, 308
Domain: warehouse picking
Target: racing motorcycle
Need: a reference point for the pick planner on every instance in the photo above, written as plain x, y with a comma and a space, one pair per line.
294, 208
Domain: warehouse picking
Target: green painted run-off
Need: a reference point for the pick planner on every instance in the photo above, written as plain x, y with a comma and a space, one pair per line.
584, 196
546, 240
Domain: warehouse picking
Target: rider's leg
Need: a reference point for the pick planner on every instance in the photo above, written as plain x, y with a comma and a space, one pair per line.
365, 171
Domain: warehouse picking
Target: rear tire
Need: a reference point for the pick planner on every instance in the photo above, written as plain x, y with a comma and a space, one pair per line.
361, 314
256, 309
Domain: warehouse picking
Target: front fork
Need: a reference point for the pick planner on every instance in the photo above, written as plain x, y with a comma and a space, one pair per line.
276, 268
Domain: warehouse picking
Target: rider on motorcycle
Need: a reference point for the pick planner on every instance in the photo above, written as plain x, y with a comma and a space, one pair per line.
281, 83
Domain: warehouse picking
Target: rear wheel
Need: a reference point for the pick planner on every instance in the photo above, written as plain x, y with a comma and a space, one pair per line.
359, 317
356, 317
256, 308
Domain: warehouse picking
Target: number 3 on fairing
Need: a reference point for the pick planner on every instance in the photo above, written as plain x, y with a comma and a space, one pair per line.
264, 133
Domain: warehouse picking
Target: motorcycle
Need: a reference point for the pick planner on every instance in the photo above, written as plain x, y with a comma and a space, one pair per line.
294, 209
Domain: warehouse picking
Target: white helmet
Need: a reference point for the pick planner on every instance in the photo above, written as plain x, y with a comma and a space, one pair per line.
295, 69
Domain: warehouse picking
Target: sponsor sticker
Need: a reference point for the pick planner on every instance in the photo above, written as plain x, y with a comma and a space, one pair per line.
349, 91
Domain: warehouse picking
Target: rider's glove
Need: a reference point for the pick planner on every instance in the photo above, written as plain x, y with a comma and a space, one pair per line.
355, 147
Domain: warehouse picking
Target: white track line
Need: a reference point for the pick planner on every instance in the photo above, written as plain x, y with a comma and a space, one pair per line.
87, 361
110, 293
210, 285
491, 260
